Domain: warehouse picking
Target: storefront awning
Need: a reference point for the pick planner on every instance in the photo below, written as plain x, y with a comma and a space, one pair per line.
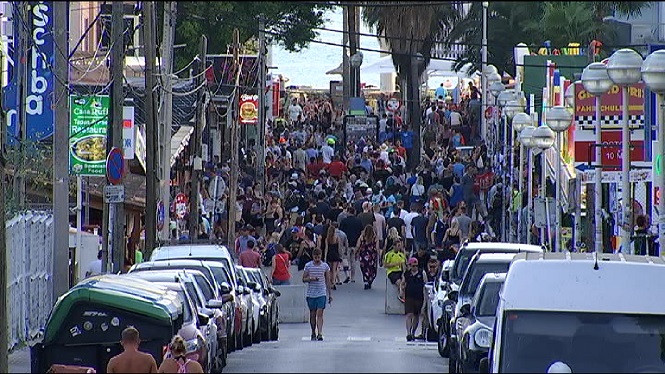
179, 141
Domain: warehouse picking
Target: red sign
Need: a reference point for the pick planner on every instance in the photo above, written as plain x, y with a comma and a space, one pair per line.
611, 156
180, 204
275, 99
249, 109
610, 102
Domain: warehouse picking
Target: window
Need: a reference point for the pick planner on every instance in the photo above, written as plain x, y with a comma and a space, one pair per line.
489, 299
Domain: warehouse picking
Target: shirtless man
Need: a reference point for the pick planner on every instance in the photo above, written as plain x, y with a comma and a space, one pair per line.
131, 360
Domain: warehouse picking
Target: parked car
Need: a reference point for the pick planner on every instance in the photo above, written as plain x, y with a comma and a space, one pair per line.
252, 304
217, 258
476, 321
85, 324
198, 330
196, 264
580, 312
457, 269
270, 311
481, 264
210, 306
436, 294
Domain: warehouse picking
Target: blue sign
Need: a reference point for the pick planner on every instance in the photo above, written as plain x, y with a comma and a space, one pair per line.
583, 167
40, 59
161, 215
650, 112
115, 165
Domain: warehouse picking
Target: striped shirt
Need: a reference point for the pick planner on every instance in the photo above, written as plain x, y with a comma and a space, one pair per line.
316, 288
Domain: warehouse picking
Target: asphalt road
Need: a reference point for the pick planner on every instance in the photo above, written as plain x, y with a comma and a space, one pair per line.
358, 337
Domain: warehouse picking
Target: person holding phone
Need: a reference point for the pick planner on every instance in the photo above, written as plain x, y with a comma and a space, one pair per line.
319, 282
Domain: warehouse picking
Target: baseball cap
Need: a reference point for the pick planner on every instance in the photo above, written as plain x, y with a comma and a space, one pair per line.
331, 141
413, 261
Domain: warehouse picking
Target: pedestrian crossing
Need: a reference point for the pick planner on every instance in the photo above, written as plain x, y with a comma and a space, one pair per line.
365, 339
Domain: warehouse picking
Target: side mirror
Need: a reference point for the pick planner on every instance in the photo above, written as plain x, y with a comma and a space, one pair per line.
227, 297
203, 319
246, 291
484, 366
445, 275
225, 288
215, 304
452, 295
208, 312
465, 310
276, 292
254, 286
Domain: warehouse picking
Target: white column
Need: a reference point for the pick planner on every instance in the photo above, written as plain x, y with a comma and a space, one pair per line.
598, 185
626, 224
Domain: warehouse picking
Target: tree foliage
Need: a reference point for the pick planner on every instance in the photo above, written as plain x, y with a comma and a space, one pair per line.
510, 23
290, 24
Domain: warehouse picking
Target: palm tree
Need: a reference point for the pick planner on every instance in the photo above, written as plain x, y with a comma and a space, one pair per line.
532, 23
410, 33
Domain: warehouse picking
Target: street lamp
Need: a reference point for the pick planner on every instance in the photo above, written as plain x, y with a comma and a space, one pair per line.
510, 109
520, 121
569, 97
496, 89
653, 75
559, 120
543, 138
624, 68
526, 139
596, 81
356, 61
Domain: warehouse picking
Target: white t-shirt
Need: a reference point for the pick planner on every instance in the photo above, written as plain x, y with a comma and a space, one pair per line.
455, 119
327, 153
407, 220
294, 111
94, 268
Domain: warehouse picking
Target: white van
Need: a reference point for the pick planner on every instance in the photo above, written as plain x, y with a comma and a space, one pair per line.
570, 312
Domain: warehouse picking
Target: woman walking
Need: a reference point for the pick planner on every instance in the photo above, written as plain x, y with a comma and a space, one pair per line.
281, 262
329, 244
368, 248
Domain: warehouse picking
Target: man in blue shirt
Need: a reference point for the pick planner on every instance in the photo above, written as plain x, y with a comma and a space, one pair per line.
440, 92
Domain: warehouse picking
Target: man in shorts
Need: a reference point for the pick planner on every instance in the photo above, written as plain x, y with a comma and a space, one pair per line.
395, 261
414, 283
317, 276
131, 360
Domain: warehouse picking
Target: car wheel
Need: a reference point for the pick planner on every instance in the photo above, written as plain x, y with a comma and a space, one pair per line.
431, 334
274, 333
257, 334
452, 365
247, 338
240, 341
265, 334
442, 342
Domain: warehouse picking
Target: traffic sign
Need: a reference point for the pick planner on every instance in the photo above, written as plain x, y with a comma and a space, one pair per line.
180, 205
583, 166
115, 166
160, 215
393, 104
114, 194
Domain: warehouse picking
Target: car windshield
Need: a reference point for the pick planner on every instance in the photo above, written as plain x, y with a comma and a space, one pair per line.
489, 299
205, 287
586, 342
461, 263
475, 274
191, 289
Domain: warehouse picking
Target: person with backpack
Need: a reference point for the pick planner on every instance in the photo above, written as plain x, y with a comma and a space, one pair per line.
176, 360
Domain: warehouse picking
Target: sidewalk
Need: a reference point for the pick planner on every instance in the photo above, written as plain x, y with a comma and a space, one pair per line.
19, 361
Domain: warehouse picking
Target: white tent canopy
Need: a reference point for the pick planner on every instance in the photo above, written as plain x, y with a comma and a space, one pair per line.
435, 68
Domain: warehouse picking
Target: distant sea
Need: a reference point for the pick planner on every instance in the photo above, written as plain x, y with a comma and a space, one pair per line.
309, 67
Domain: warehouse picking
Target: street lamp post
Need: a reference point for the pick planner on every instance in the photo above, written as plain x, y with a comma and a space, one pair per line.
496, 89
559, 120
526, 138
483, 98
596, 81
520, 122
624, 68
356, 62
543, 138
512, 107
653, 75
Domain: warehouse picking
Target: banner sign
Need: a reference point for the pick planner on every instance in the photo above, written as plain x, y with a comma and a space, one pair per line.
611, 153
88, 118
40, 80
221, 70
249, 109
357, 127
128, 132
610, 107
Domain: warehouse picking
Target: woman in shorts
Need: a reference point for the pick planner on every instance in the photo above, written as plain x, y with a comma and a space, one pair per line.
414, 283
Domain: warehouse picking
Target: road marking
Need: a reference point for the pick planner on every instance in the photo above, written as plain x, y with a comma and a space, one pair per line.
359, 338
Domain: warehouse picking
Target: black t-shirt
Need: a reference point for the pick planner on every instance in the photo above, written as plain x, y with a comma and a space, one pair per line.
413, 288
366, 218
397, 223
333, 213
419, 224
352, 227
322, 208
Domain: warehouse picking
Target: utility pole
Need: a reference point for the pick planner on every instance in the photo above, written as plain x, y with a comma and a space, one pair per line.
353, 48
151, 176
4, 323
22, 62
166, 114
196, 145
233, 175
346, 65
61, 151
261, 125
114, 217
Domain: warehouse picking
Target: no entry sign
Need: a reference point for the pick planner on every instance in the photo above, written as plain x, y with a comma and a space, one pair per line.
115, 166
